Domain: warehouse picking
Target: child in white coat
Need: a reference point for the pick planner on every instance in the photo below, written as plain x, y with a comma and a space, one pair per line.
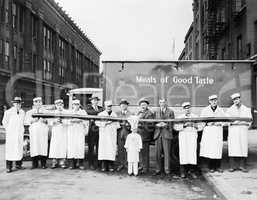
133, 146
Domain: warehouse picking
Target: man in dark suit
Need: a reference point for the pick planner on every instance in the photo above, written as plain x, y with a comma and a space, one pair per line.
145, 130
93, 133
162, 136
122, 133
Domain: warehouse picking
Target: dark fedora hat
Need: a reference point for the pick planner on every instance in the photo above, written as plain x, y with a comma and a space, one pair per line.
124, 101
144, 100
17, 100
94, 97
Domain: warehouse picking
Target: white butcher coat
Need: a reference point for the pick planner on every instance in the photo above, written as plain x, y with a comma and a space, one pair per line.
107, 146
77, 129
58, 144
187, 142
133, 146
238, 134
212, 137
14, 127
38, 134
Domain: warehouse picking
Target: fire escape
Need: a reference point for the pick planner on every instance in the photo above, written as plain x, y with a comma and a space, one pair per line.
215, 26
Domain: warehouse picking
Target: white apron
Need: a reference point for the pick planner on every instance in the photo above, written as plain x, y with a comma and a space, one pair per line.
58, 144
38, 134
133, 146
14, 126
187, 143
107, 146
212, 137
238, 134
76, 136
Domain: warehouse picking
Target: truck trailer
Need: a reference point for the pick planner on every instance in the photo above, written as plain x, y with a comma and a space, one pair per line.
179, 81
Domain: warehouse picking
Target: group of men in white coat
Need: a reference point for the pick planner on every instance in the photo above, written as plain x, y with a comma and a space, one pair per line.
68, 136
211, 144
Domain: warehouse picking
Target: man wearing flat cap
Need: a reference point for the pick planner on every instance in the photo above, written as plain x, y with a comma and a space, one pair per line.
162, 136
146, 131
93, 133
212, 137
123, 131
237, 134
107, 147
187, 142
13, 122
38, 134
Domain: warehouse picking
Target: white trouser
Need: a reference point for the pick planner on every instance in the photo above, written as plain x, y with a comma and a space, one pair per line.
133, 167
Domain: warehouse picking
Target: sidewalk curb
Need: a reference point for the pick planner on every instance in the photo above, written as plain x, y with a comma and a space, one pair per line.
212, 184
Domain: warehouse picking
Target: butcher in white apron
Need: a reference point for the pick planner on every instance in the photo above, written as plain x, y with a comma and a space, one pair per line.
238, 134
58, 144
187, 142
13, 122
107, 146
77, 130
38, 134
212, 137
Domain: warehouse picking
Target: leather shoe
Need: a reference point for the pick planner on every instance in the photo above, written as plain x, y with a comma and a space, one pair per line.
81, 167
231, 169
157, 173
111, 169
19, 167
119, 168
243, 169
44, 167
8, 170
211, 171
182, 175
219, 170
103, 170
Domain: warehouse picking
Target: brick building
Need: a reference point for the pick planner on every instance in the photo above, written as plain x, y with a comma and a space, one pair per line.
224, 29
187, 52
43, 52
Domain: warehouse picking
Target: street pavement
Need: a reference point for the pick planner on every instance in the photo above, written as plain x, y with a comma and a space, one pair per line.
89, 184
237, 185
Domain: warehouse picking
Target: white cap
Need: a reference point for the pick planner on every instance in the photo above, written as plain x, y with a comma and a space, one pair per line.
235, 95
57, 101
214, 96
108, 103
185, 104
76, 101
37, 99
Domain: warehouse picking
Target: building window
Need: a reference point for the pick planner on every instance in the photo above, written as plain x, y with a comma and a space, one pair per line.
21, 19
1, 47
14, 16
15, 55
34, 27
20, 59
47, 70
223, 51
34, 62
239, 47
6, 12
255, 37
7, 53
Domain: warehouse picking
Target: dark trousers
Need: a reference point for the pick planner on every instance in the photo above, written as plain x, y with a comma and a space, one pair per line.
122, 154
163, 147
236, 162
107, 164
73, 162
9, 164
93, 138
36, 159
214, 164
144, 156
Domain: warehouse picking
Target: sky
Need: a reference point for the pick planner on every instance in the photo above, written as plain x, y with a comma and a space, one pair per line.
133, 29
